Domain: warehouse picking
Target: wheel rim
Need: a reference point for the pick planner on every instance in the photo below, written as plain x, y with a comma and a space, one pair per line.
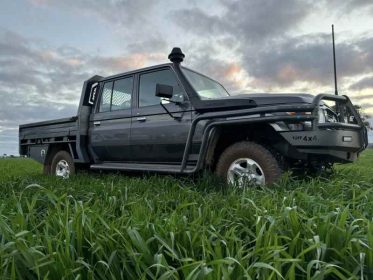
63, 169
245, 171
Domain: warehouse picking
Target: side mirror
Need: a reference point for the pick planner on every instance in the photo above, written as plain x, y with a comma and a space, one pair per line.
164, 91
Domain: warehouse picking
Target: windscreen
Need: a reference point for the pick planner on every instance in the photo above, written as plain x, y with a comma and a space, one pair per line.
204, 86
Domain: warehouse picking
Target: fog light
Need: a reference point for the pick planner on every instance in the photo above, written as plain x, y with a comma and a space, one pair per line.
347, 138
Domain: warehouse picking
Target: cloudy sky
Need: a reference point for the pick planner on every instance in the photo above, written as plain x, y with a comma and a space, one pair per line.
49, 47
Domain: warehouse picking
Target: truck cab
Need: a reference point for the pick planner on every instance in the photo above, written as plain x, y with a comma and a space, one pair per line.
129, 124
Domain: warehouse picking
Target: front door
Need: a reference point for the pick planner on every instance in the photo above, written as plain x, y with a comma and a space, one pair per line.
156, 137
111, 124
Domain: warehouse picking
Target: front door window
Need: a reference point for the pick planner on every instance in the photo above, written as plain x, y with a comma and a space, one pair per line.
148, 83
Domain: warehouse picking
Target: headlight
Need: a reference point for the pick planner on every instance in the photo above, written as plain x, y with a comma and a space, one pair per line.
302, 125
327, 116
293, 125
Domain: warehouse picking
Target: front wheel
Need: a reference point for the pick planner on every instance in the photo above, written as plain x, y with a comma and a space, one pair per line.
62, 165
247, 163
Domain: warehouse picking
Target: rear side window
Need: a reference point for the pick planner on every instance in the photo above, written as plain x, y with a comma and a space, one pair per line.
116, 95
122, 92
148, 83
106, 97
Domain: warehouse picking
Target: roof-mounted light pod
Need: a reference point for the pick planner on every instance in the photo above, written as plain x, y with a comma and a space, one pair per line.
176, 55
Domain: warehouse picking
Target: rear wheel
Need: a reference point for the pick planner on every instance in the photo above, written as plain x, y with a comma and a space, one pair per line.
247, 163
62, 165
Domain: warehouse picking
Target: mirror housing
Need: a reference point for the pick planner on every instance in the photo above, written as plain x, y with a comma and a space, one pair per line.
164, 91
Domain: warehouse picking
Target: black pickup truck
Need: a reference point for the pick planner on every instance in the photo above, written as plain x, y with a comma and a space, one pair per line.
168, 118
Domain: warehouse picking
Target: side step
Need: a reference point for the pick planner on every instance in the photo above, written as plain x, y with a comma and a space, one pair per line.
164, 168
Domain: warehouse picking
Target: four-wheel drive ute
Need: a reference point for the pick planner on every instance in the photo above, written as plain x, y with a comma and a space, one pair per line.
168, 118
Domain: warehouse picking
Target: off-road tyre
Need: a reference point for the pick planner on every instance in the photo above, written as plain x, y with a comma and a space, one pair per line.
62, 156
269, 164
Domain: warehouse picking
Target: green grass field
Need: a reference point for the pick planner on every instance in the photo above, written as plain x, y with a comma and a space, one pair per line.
113, 226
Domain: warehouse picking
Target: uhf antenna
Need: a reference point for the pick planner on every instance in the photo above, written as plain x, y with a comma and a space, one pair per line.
335, 68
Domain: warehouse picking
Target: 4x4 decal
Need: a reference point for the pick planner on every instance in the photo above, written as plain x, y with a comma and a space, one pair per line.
305, 138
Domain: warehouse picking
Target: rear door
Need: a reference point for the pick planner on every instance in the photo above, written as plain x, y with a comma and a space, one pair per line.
156, 137
110, 125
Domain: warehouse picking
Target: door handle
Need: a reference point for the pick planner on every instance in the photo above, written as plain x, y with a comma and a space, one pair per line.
141, 119
97, 123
